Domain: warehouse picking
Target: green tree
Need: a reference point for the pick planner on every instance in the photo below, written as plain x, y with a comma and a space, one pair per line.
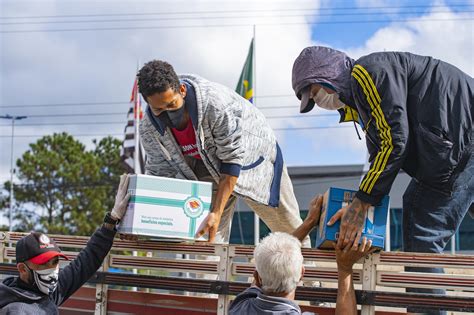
64, 188
107, 151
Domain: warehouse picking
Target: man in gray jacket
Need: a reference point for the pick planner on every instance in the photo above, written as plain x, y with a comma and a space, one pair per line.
200, 130
417, 115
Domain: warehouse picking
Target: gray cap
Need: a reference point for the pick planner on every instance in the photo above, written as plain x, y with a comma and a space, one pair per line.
323, 65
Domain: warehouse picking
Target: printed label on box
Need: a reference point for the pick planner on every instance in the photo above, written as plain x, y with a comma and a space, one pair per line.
166, 207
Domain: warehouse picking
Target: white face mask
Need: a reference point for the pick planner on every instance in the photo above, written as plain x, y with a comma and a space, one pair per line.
327, 101
46, 280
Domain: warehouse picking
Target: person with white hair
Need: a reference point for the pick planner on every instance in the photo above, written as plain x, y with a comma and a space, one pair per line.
279, 269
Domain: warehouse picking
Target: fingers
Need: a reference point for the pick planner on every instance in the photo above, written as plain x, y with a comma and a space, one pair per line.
369, 249
363, 245
315, 209
356, 240
340, 239
319, 201
346, 235
124, 180
336, 217
212, 235
202, 229
350, 237
347, 247
200, 232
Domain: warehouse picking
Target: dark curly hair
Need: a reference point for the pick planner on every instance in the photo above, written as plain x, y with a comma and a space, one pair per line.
157, 76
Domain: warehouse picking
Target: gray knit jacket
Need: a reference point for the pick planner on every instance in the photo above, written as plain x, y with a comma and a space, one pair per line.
232, 136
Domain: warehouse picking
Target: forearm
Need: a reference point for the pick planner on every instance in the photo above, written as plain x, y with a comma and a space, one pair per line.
224, 191
303, 230
346, 301
74, 275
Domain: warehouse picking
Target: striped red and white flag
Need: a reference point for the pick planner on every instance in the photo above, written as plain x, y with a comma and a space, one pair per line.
134, 115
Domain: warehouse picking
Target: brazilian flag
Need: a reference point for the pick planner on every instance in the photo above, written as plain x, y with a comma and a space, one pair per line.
245, 85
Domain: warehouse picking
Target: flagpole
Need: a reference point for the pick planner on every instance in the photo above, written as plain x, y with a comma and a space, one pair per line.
136, 152
256, 222
136, 113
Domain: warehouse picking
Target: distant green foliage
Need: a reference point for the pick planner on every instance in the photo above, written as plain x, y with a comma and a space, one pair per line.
64, 188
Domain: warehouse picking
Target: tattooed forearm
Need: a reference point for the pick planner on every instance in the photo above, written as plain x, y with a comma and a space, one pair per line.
355, 214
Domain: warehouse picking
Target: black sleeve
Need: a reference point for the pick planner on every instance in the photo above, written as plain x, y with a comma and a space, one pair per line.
74, 275
382, 90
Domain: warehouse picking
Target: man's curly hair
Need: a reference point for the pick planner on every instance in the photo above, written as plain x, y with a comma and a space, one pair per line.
157, 76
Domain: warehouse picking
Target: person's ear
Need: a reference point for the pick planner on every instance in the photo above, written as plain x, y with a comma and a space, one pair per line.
182, 90
257, 279
302, 272
21, 268
24, 272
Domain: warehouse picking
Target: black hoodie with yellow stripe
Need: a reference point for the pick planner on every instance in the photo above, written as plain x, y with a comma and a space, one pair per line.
417, 114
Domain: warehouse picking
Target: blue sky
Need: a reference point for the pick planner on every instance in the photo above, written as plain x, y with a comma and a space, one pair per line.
353, 34
74, 66
334, 29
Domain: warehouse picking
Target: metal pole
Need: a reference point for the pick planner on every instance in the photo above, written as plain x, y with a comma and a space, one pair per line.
453, 244
256, 219
12, 118
11, 178
387, 231
136, 152
137, 111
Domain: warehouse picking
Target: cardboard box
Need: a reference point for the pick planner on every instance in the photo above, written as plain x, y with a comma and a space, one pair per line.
166, 207
375, 221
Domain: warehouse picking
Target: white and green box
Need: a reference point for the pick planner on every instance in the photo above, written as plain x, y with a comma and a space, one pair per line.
166, 207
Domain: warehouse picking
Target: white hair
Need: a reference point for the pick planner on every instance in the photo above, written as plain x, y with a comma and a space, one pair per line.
279, 261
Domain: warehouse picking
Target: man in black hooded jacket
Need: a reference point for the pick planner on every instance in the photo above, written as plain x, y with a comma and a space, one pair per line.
417, 115
41, 287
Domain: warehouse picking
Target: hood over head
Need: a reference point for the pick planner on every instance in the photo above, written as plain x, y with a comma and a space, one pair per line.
11, 293
323, 65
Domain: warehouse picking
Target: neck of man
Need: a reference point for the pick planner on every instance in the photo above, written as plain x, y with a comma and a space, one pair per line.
285, 295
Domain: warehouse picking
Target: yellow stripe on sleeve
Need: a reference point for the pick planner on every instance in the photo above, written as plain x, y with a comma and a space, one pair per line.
378, 158
374, 100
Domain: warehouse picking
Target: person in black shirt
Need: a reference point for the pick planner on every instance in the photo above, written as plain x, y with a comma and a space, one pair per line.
41, 287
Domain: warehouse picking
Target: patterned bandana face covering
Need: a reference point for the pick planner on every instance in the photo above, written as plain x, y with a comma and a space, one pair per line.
327, 101
46, 280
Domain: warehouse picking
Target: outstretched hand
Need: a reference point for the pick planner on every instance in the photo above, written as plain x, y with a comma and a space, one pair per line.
209, 226
121, 199
315, 209
352, 222
347, 256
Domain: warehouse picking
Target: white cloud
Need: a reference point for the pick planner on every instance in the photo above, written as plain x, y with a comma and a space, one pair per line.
98, 66
445, 35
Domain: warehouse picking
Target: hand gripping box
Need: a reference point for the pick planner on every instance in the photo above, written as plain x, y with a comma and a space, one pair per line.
166, 207
375, 220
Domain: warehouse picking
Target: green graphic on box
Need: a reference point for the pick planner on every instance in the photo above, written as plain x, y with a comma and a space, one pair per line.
166, 207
